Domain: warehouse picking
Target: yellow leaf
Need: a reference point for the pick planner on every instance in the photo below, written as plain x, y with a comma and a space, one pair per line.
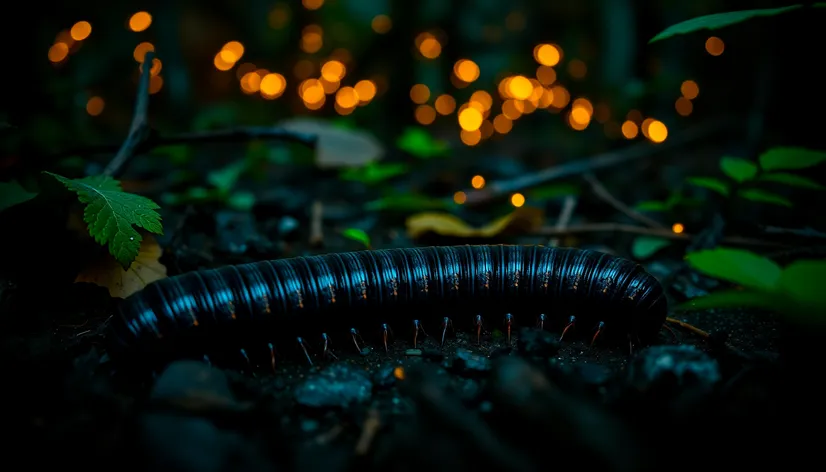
337, 147
107, 272
522, 220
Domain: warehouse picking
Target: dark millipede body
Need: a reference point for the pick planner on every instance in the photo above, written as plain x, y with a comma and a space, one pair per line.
273, 299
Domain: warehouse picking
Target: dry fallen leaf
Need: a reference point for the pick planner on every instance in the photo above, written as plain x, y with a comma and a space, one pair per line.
522, 220
337, 147
106, 272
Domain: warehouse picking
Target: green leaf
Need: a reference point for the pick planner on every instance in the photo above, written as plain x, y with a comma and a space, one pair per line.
790, 158
374, 173
241, 201
225, 179
652, 205
406, 202
357, 235
176, 153
111, 214
740, 170
737, 266
12, 194
718, 20
803, 281
553, 191
734, 299
710, 183
418, 142
793, 180
758, 195
646, 246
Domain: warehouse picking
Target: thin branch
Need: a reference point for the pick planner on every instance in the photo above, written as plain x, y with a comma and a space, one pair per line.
139, 129
600, 161
641, 230
606, 196
565, 215
799, 232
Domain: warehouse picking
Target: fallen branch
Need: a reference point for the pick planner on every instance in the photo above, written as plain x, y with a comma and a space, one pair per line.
608, 198
565, 215
641, 230
139, 129
600, 161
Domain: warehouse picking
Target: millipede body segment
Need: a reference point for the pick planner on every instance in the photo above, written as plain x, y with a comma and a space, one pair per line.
267, 299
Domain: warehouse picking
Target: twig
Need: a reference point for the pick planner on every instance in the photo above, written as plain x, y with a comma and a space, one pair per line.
564, 217
606, 196
372, 424
139, 129
801, 232
600, 161
316, 229
659, 232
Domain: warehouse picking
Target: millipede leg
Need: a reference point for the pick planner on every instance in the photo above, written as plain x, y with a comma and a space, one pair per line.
509, 323
540, 322
327, 350
570, 325
207, 361
687, 326
304, 348
417, 326
354, 334
599, 330
478, 323
247, 359
668, 328
385, 333
446, 322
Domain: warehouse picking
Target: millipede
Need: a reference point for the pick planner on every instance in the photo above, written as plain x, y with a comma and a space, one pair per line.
246, 311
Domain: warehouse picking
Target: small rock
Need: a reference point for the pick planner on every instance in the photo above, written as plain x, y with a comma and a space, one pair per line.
338, 386
593, 374
537, 343
469, 364
184, 379
681, 367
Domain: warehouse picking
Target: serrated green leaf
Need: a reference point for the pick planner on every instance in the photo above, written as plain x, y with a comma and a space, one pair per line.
803, 281
737, 266
739, 170
111, 214
793, 180
759, 195
646, 246
718, 20
710, 183
13, 194
357, 235
791, 158
374, 172
734, 299
652, 205
406, 202
418, 142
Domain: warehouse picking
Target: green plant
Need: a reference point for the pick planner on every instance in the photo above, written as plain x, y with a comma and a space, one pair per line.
357, 235
747, 176
111, 214
795, 290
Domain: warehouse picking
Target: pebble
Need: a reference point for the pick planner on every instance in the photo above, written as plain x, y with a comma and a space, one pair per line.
337, 386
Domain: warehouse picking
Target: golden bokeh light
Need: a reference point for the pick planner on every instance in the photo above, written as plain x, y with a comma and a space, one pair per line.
546, 75
425, 114
232, 51
677, 228
657, 131
272, 85
250, 82
477, 182
502, 124
157, 65
333, 71
312, 4
155, 84
445, 104
58, 52
381, 24
517, 200
466, 70
519, 87
312, 39
366, 90
470, 138
483, 99
419, 93
690, 89
94, 106
141, 50
81, 30
715, 46
347, 97
630, 129
459, 197
683, 106
470, 119
428, 46
547, 54
311, 91
140, 21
